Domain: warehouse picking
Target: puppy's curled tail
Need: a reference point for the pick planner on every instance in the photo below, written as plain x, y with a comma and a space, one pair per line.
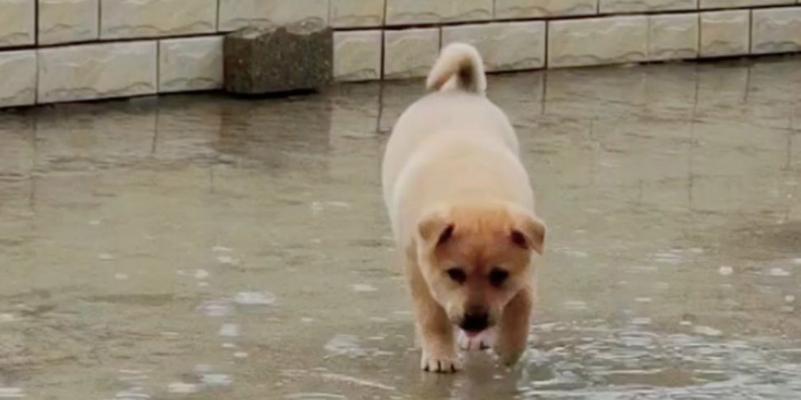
460, 66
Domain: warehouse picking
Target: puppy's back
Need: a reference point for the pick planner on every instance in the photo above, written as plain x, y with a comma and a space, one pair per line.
455, 115
457, 103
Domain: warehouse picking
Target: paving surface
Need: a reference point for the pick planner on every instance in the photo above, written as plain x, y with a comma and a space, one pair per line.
213, 248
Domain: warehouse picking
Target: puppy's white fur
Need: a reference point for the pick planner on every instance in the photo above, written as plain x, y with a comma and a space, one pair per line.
454, 130
453, 159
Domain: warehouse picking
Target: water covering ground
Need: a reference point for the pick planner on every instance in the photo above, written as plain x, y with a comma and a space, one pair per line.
204, 247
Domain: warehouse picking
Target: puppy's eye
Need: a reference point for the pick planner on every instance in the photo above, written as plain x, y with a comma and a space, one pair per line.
498, 276
457, 275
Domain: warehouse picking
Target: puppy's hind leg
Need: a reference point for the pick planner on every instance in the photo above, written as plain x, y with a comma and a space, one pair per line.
514, 327
434, 330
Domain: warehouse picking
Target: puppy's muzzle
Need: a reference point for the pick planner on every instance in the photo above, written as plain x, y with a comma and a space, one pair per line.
475, 321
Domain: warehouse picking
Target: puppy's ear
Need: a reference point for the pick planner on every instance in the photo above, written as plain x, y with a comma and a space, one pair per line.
436, 228
528, 232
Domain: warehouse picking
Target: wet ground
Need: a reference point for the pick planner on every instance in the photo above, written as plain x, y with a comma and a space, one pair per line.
201, 247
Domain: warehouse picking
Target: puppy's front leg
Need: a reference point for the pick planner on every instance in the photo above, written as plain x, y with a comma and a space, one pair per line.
433, 327
514, 327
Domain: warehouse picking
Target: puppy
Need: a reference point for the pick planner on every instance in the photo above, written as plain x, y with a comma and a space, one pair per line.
462, 213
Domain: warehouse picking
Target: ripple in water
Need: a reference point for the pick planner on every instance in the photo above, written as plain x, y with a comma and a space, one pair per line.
345, 345
229, 330
350, 346
216, 380
182, 388
215, 308
254, 298
363, 288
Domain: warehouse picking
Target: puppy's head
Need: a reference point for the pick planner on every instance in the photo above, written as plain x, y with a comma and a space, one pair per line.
476, 258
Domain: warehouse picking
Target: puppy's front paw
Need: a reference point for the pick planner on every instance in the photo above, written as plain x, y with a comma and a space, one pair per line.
482, 341
442, 364
509, 356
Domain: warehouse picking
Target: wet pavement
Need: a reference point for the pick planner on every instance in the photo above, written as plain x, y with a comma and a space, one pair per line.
202, 247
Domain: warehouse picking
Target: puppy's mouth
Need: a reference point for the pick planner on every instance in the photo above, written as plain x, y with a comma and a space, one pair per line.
472, 334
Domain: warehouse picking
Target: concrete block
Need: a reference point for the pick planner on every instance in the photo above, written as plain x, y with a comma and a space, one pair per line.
259, 61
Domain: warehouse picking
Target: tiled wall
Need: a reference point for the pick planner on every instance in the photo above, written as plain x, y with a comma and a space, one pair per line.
66, 50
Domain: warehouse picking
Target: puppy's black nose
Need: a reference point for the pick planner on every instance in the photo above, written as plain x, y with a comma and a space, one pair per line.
475, 322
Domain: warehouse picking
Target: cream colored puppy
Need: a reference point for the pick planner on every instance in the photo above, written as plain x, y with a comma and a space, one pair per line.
462, 212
